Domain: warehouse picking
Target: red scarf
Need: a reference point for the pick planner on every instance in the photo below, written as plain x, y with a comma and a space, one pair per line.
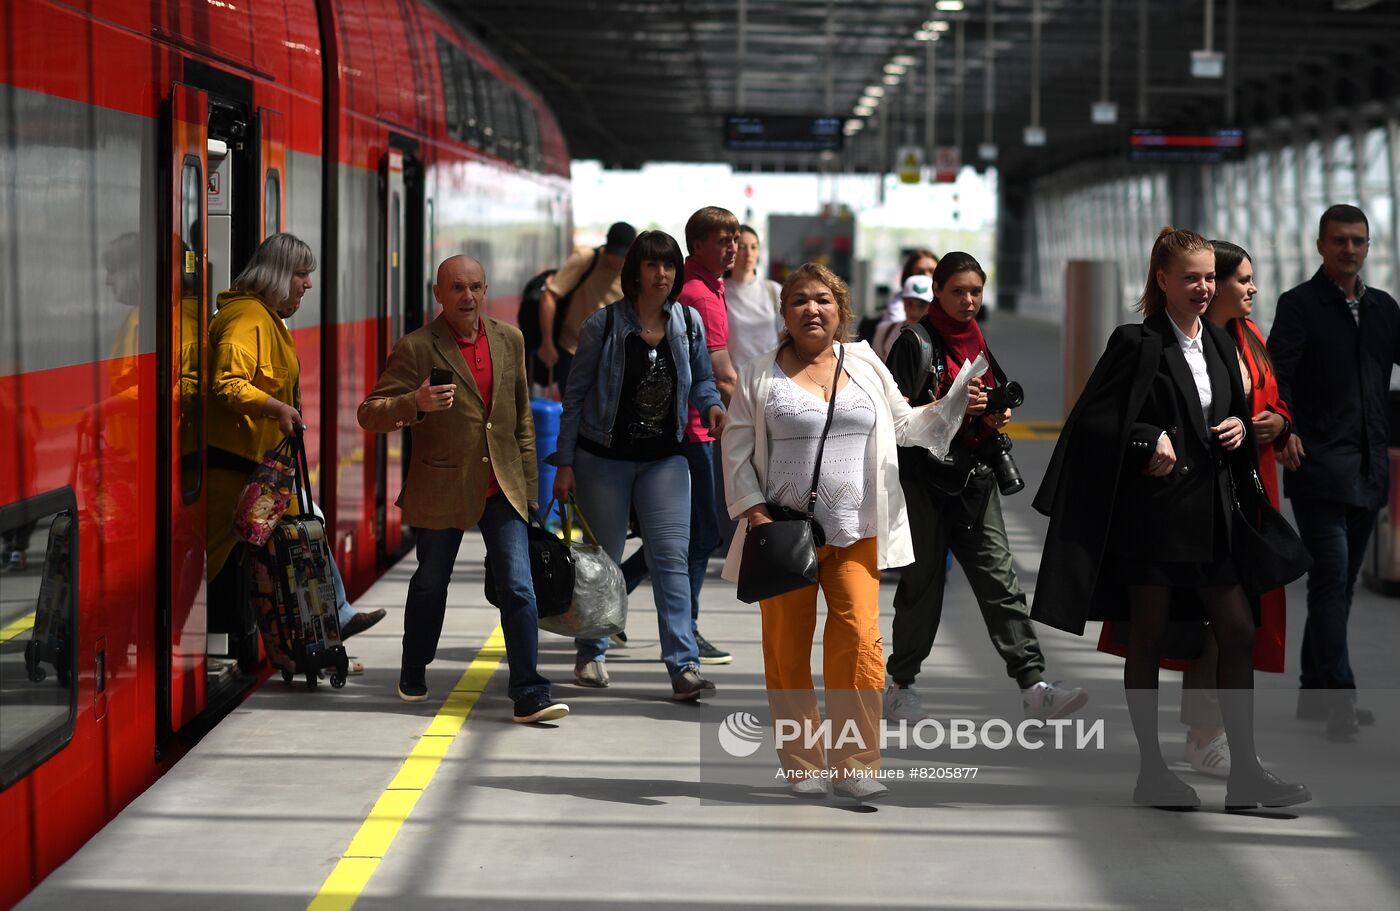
961, 342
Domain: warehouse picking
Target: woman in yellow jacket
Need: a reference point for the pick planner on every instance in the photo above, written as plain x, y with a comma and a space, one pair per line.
255, 401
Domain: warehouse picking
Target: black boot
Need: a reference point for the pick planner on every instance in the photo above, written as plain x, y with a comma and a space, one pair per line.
1163, 790
1247, 790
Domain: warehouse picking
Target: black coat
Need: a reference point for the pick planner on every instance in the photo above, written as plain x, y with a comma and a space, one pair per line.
1335, 377
1099, 502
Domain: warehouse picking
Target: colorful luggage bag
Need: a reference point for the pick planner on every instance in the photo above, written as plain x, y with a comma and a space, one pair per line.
294, 596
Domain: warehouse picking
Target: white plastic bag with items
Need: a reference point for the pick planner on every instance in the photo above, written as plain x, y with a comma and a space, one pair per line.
599, 605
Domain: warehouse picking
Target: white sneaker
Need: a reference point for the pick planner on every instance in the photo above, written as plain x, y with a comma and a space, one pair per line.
861, 789
808, 788
904, 704
1212, 759
1044, 701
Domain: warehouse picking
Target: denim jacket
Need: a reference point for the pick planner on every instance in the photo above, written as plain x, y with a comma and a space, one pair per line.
595, 379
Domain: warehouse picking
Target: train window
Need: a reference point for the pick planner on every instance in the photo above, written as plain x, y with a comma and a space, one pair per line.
468, 77
531, 130
451, 88
272, 204
38, 630
191, 430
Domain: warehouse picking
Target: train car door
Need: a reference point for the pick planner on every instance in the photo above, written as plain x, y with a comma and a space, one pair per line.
182, 363
390, 447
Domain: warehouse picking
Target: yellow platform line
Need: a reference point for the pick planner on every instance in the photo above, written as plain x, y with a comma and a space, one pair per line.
1033, 430
352, 872
22, 625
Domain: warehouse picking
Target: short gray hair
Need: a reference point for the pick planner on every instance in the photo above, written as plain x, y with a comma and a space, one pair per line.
268, 274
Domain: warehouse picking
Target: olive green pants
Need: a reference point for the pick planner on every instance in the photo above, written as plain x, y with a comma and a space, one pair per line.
983, 551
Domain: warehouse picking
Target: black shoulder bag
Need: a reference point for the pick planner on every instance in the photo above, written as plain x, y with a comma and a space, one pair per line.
1266, 551
781, 556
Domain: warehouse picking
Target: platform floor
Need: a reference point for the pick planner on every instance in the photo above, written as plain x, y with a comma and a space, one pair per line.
610, 808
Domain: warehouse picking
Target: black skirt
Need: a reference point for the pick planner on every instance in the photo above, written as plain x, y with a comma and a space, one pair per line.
1218, 571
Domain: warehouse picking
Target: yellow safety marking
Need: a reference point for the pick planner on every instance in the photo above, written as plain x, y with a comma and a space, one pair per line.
22, 625
1034, 430
352, 872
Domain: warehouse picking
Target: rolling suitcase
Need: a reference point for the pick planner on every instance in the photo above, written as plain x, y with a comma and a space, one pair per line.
51, 640
293, 595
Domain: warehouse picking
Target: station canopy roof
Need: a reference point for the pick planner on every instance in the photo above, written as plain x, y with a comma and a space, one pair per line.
633, 81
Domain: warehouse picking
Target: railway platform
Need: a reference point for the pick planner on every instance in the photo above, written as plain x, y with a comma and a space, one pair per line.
332, 799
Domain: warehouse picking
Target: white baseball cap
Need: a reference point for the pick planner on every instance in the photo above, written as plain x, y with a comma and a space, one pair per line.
919, 287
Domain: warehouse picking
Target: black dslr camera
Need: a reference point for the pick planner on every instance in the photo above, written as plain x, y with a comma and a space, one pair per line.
996, 450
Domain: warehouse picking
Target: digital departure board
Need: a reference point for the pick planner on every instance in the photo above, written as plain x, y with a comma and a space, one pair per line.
782, 133
1192, 146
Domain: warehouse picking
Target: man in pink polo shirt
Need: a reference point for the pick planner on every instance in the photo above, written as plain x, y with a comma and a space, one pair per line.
712, 238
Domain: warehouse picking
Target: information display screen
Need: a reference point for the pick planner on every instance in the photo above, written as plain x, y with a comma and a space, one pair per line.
1194, 146
782, 133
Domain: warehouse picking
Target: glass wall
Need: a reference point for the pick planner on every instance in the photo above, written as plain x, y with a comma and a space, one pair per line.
1268, 203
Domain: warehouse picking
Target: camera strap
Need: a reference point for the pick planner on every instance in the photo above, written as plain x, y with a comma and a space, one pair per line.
939, 367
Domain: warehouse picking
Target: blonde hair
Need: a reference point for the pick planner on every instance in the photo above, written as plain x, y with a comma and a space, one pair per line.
1171, 244
817, 272
268, 275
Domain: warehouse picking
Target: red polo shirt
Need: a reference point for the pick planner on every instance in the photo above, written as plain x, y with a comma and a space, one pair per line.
705, 292
477, 354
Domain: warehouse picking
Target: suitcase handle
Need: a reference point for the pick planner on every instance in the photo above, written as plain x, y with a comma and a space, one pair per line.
302, 473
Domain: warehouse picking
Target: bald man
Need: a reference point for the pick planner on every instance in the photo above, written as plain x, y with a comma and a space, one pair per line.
473, 464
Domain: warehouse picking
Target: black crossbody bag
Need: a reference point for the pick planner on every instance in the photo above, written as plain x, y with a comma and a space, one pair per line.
781, 556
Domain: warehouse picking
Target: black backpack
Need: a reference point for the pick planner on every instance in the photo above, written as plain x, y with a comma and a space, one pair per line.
528, 317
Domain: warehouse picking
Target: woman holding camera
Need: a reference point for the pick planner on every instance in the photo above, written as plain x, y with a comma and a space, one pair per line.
955, 504
1142, 523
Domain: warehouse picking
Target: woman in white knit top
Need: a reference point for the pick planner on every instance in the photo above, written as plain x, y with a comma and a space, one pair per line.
770, 442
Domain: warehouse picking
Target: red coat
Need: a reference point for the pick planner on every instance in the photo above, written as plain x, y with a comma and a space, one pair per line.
1273, 611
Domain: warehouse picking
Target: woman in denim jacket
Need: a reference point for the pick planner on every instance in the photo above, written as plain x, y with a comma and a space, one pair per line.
640, 363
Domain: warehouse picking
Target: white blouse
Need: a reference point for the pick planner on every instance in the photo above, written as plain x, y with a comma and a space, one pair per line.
845, 507
746, 439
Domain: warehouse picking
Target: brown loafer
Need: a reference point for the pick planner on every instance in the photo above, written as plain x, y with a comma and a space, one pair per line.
361, 622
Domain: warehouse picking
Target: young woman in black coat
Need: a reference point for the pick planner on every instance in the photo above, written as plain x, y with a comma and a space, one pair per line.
1139, 498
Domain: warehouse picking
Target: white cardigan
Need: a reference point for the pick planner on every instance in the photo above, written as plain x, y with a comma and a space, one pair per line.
745, 444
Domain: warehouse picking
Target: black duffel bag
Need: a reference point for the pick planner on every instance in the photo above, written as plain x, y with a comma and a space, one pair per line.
551, 569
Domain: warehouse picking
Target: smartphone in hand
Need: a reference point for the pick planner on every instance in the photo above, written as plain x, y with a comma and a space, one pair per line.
440, 376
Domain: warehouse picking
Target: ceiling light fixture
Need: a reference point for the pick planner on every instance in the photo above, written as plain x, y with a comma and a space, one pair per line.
938, 25
890, 79
903, 60
950, 6
874, 91
925, 35
894, 69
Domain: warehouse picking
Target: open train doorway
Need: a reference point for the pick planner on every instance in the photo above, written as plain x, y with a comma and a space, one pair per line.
226, 161
401, 309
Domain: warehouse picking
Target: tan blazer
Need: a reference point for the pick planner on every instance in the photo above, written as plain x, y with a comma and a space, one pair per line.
453, 449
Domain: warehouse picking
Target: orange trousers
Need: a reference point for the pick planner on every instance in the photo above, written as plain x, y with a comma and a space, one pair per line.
853, 663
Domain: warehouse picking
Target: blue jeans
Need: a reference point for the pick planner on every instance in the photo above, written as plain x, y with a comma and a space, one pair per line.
508, 553
608, 489
1335, 535
704, 525
343, 609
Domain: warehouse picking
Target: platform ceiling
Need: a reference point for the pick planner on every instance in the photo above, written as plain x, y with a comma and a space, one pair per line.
651, 80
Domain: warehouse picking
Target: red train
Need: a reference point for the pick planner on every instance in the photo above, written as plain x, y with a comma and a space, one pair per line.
146, 148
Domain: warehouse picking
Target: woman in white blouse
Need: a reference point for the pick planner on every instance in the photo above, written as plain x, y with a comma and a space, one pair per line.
770, 442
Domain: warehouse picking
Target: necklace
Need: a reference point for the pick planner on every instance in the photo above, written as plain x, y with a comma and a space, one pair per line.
807, 371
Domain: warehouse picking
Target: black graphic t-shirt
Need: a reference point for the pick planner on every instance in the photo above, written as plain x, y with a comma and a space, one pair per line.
645, 427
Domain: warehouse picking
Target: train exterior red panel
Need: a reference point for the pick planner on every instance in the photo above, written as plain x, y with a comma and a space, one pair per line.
86, 364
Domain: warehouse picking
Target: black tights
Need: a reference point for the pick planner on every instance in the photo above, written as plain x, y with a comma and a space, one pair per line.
1232, 623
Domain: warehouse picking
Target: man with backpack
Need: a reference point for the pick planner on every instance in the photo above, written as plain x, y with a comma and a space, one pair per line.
589, 280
